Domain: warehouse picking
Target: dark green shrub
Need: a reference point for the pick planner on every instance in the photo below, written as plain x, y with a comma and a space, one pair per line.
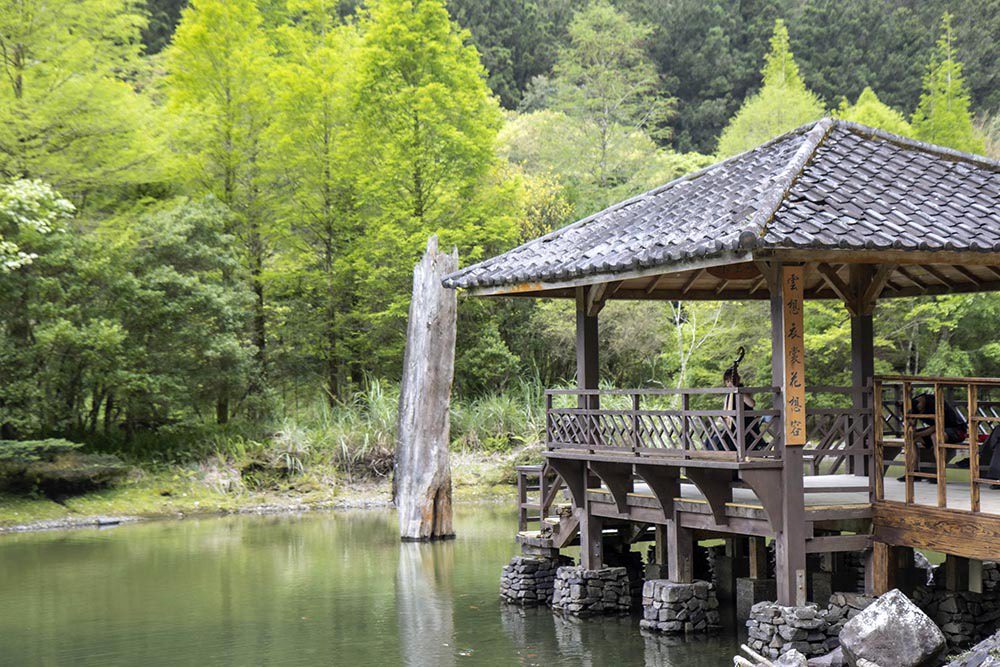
56, 467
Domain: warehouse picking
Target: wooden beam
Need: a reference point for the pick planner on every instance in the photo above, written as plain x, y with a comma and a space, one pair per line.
595, 298
973, 278
995, 270
913, 279
691, 281
839, 287
875, 287
939, 276
723, 284
652, 283
951, 531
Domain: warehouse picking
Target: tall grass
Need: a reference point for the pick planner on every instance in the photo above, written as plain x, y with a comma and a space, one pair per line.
353, 439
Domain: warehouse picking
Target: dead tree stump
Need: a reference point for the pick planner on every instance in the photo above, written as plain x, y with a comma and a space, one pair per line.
422, 478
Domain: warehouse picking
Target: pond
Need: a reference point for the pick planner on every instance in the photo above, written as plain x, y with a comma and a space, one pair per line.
320, 588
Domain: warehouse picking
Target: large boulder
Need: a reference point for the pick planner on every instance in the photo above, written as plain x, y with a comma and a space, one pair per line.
892, 632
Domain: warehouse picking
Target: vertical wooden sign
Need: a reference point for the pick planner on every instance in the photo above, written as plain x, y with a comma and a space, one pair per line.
794, 390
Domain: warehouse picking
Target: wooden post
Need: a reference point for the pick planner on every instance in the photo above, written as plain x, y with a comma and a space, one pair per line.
422, 475
787, 303
680, 553
880, 575
591, 541
862, 352
758, 558
586, 363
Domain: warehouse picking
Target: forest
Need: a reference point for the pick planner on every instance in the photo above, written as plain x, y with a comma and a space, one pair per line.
210, 210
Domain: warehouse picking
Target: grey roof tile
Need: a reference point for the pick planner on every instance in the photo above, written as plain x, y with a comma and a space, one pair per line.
829, 184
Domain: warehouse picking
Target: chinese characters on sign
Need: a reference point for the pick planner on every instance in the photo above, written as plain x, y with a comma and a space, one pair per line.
795, 367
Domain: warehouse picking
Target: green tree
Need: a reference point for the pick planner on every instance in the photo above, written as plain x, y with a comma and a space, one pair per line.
314, 167
783, 102
218, 90
943, 115
869, 110
69, 114
426, 137
605, 79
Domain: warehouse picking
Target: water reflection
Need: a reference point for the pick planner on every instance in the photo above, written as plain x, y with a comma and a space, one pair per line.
336, 589
424, 603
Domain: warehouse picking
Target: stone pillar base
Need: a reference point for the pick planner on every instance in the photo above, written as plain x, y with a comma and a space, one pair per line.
583, 593
529, 580
775, 630
751, 591
674, 608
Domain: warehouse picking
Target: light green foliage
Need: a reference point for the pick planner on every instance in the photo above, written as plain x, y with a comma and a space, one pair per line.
605, 79
553, 142
313, 163
28, 209
869, 110
69, 112
782, 104
426, 156
943, 116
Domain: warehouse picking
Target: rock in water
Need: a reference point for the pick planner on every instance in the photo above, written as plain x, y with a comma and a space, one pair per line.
791, 659
422, 479
834, 658
892, 632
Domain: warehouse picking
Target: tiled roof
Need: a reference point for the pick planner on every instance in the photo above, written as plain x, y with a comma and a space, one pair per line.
827, 185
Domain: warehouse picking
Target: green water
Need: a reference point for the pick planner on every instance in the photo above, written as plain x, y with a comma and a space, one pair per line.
318, 589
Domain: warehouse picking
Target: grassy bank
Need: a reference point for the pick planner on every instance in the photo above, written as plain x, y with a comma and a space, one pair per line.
325, 456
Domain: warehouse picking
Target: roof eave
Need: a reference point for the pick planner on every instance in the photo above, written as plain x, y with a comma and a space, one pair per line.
539, 288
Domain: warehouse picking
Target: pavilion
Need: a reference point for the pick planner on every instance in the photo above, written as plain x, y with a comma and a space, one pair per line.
831, 210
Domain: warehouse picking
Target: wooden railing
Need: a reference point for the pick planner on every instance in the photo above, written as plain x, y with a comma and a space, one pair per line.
538, 487
685, 422
897, 425
694, 423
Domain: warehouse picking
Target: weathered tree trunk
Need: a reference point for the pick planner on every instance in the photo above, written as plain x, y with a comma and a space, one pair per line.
423, 472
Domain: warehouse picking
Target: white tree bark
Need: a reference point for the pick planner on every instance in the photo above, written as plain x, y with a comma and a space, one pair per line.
423, 471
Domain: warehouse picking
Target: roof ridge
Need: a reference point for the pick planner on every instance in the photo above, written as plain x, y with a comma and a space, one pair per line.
815, 136
907, 142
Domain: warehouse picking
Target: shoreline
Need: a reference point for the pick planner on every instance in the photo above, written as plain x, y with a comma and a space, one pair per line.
352, 501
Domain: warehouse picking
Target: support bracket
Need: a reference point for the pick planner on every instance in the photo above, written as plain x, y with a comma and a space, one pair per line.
664, 482
716, 486
573, 473
618, 478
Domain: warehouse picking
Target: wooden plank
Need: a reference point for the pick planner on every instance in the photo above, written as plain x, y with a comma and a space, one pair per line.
834, 543
958, 532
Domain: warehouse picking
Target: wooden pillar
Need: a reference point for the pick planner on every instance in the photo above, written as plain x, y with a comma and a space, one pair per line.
880, 575
862, 346
591, 541
787, 303
956, 573
586, 349
758, 558
680, 553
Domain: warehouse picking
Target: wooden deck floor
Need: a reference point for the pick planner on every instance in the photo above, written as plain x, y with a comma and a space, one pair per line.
924, 493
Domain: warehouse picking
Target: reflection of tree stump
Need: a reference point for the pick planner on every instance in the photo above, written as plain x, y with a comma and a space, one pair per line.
424, 605
423, 472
